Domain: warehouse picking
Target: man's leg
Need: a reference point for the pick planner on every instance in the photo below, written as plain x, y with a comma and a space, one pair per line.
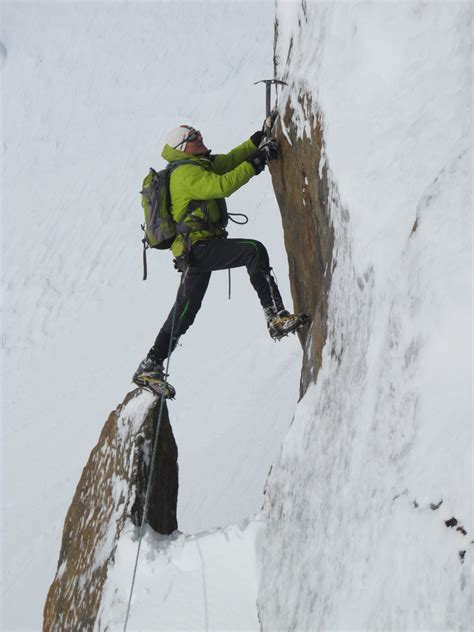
150, 372
191, 291
221, 254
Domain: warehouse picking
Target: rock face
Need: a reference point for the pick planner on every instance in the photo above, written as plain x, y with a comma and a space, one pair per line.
374, 474
109, 498
300, 181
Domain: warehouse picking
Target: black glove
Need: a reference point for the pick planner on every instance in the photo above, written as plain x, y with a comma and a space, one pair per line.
270, 147
257, 138
258, 160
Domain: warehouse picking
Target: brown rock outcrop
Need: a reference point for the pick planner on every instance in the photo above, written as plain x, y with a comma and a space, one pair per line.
300, 180
110, 495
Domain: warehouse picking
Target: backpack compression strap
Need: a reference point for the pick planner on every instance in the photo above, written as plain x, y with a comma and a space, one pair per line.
145, 248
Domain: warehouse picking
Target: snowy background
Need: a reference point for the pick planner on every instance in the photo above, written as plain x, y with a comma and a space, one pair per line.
89, 92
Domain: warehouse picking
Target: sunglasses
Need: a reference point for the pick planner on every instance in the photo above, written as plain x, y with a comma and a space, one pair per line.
194, 135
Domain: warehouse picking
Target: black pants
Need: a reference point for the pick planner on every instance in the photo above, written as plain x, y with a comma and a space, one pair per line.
205, 257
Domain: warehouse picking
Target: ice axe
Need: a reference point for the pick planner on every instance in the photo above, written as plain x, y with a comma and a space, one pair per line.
268, 97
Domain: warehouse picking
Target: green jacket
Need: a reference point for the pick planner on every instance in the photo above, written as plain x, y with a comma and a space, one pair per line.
207, 180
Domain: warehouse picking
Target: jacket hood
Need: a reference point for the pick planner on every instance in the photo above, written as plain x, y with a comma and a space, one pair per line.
170, 155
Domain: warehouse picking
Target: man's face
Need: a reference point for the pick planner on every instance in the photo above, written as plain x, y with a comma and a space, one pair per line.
195, 146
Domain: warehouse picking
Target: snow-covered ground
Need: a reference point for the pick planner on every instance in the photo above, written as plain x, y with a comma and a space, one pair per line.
89, 92
206, 581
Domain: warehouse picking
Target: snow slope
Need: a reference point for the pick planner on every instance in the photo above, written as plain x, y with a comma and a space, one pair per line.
89, 92
205, 581
378, 460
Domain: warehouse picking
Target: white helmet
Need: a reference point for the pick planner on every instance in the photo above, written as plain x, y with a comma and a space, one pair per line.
179, 136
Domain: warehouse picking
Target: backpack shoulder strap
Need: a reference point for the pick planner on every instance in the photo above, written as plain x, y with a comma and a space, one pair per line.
178, 163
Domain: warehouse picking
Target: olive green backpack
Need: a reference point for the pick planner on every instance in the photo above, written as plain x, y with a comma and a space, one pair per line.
159, 227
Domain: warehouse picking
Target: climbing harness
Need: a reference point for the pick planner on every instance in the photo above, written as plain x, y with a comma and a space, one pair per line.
153, 459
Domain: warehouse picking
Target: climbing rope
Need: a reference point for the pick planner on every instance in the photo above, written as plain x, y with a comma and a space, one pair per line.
153, 459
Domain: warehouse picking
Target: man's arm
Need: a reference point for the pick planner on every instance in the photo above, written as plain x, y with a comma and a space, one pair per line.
200, 184
223, 163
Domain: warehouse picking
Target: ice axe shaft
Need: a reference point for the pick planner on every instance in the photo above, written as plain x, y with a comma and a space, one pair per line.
268, 92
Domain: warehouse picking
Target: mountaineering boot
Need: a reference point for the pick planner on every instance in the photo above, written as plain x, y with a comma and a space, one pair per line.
150, 375
283, 323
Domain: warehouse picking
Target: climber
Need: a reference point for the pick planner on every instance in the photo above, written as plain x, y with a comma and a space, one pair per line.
197, 191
